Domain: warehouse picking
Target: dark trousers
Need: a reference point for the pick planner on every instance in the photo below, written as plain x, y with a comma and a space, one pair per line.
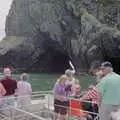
93, 109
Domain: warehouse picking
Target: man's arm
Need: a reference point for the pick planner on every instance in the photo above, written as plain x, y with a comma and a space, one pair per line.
2, 90
29, 88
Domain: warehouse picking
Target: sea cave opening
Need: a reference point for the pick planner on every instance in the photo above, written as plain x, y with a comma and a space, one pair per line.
59, 61
52, 61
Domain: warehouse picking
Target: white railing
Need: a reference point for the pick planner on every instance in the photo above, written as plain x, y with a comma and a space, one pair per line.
41, 108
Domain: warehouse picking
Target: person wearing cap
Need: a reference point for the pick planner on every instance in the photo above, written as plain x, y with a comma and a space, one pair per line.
10, 86
96, 71
92, 93
109, 88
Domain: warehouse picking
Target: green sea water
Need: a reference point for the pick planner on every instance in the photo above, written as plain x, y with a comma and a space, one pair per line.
45, 82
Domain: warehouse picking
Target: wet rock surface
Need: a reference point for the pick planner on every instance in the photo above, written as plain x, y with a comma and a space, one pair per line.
43, 35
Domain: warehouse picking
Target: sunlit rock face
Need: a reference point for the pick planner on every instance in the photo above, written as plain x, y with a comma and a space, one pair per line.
43, 35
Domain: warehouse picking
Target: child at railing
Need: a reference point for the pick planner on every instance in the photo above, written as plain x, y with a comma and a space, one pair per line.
93, 98
76, 89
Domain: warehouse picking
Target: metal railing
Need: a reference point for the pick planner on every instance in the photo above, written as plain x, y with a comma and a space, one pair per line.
40, 108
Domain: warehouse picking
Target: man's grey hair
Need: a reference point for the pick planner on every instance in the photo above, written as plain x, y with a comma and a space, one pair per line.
24, 76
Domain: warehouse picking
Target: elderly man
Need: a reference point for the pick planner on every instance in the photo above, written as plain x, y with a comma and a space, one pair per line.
109, 87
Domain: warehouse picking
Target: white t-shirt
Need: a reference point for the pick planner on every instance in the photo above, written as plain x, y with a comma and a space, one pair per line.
24, 88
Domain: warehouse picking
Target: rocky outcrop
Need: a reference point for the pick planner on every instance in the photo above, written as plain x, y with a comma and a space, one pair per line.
43, 35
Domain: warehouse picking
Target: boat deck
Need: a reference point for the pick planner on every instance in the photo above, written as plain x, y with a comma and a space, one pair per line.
40, 108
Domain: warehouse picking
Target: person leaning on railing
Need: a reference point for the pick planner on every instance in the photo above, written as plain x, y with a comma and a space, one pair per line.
61, 98
92, 100
93, 94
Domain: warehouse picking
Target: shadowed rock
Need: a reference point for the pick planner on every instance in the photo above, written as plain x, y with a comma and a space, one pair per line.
43, 35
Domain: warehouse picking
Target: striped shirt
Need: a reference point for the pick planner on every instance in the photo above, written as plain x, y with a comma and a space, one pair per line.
24, 88
94, 95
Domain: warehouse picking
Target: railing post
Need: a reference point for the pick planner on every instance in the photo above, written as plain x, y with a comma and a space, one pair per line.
48, 95
69, 112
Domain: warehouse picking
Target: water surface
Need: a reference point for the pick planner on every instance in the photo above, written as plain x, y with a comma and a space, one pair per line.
44, 82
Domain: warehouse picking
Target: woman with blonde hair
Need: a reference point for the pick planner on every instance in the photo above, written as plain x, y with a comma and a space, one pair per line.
70, 80
69, 73
61, 98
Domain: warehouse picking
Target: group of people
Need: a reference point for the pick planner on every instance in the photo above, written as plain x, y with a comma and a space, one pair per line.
10, 88
104, 96
65, 86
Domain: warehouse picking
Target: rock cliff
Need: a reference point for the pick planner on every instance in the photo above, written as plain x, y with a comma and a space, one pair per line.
43, 35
